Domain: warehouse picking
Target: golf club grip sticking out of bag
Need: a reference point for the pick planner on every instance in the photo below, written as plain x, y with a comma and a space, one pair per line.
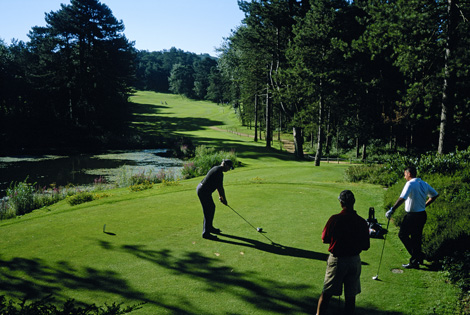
257, 230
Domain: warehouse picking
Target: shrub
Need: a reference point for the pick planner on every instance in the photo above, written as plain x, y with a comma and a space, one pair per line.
206, 158
6, 212
374, 174
79, 198
142, 186
127, 177
457, 269
170, 183
21, 197
45, 197
46, 306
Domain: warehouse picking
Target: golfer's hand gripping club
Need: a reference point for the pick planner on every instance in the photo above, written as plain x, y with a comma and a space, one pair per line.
223, 201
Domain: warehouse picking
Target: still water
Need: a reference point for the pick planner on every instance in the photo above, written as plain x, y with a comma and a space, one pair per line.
82, 169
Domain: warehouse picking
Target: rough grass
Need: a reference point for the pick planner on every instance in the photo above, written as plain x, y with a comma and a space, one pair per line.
152, 250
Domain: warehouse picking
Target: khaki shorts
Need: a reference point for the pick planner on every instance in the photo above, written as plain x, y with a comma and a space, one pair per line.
343, 270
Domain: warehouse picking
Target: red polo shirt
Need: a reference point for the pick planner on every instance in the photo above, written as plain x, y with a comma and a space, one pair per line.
347, 233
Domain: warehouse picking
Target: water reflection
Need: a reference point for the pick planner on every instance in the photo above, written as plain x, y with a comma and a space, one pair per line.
80, 169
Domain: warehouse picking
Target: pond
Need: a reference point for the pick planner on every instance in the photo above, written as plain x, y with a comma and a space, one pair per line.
82, 169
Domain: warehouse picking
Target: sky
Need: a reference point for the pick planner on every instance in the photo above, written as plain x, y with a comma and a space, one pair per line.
197, 26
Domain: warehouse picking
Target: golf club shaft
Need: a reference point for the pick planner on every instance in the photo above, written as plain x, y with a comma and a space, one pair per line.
383, 247
249, 223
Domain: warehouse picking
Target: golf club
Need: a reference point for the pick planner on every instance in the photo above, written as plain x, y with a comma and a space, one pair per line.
257, 229
376, 277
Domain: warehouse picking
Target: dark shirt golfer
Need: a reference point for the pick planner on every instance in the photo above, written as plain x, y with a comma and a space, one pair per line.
348, 235
417, 196
214, 180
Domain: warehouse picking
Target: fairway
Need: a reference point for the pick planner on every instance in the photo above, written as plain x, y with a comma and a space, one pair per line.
153, 252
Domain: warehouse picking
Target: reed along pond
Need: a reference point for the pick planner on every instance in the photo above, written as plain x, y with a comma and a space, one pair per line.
82, 169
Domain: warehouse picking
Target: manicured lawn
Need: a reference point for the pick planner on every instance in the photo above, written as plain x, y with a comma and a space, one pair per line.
153, 251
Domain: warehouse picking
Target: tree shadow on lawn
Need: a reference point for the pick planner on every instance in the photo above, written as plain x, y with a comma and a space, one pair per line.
34, 279
263, 293
246, 149
136, 109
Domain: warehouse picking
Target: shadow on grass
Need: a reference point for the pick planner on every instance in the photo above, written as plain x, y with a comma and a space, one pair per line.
145, 117
34, 279
277, 249
245, 149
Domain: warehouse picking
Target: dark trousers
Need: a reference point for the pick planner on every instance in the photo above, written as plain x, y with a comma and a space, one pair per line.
208, 208
411, 234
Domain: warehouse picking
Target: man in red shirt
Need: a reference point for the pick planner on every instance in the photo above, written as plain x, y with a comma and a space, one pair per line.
348, 235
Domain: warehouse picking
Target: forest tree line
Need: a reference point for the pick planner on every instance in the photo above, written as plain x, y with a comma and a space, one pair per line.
334, 72
349, 73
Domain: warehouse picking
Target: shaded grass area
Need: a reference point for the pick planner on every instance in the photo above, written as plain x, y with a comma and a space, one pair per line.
153, 252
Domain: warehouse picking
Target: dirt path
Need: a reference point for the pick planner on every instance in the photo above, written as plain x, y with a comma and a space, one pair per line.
286, 144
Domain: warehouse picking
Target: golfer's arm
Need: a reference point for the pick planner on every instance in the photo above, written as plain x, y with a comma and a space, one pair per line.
431, 200
221, 192
398, 203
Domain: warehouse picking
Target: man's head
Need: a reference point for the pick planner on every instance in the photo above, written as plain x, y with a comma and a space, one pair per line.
410, 172
227, 164
346, 197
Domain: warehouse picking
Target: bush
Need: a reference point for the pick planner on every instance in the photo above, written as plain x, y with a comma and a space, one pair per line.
205, 158
142, 186
80, 198
46, 306
374, 174
21, 197
6, 212
127, 177
457, 269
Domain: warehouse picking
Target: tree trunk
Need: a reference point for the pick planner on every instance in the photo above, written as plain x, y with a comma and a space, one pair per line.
268, 121
256, 117
448, 85
298, 142
318, 154
327, 136
357, 147
364, 154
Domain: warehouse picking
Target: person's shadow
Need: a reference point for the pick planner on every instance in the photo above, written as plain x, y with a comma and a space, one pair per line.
274, 248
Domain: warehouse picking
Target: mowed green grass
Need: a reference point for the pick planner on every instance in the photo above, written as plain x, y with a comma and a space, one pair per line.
153, 251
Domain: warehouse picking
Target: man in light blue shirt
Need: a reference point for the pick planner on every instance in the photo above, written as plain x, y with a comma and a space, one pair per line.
417, 195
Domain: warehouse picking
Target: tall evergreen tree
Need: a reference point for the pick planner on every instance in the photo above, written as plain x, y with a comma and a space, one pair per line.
86, 61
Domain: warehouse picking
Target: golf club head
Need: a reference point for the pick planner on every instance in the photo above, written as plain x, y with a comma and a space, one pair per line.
375, 277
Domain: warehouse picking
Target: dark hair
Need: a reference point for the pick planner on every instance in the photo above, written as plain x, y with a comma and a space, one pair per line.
347, 198
411, 170
228, 163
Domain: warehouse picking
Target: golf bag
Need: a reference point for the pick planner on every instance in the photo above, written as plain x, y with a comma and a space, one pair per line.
375, 229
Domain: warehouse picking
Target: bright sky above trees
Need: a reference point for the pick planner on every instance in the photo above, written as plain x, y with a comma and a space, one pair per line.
197, 26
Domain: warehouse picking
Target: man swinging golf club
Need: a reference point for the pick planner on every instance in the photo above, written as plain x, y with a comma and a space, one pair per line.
214, 180
417, 195
348, 235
